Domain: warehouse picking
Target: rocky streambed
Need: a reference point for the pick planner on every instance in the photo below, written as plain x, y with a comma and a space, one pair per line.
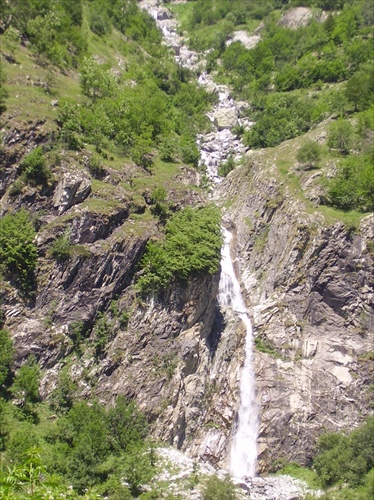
221, 143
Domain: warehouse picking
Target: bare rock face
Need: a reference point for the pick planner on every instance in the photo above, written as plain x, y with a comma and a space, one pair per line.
242, 36
296, 18
310, 290
73, 188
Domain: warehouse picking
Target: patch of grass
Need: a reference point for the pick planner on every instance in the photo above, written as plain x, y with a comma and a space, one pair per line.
265, 346
297, 471
100, 205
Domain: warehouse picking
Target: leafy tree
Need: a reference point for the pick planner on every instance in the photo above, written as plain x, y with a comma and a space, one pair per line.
192, 245
62, 397
309, 154
18, 252
126, 424
359, 90
138, 468
353, 186
340, 136
96, 81
6, 355
99, 19
343, 458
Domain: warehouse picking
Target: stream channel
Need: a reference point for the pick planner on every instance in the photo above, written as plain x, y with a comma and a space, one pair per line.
215, 148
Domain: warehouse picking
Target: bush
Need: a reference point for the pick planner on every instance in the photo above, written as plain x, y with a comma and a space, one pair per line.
226, 167
346, 458
340, 136
99, 19
60, 249
192, 245
26, 383
34, 167
219, 489
309, 154
352, 188
6, 355
18, 252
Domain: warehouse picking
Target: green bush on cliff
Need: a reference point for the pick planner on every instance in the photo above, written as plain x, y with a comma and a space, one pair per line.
34, 167
192, 244
6, 355
346, 458
18, 252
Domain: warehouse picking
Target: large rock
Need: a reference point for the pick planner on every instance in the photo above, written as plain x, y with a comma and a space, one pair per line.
225, 118
296, 18
73, 188
242, 36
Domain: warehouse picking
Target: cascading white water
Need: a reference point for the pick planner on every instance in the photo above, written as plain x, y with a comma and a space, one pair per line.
214, 149
243, 452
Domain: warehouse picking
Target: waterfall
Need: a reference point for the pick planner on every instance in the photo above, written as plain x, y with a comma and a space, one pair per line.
243, 451
215, 148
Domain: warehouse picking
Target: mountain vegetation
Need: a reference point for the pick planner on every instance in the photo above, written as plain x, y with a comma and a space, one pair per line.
297, 78
116, 108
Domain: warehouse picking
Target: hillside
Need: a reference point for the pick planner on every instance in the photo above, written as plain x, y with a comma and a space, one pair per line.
132, 132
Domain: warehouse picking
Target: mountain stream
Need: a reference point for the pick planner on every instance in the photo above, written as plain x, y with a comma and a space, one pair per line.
215, 148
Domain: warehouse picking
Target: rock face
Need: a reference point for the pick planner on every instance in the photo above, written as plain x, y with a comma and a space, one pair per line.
308, 286
296, 18
310, 289
73, 188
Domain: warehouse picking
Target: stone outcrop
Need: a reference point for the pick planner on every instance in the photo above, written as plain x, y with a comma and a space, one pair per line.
310, 288
73, 188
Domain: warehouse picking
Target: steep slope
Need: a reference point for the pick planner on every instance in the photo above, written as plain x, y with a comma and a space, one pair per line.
306, 271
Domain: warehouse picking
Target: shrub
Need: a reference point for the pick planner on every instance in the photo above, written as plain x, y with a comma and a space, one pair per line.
226, 167
18, 252
26, 383
352, 188
218, 489
309, 154
346, 458
60, 249
6, 355
16, 188
340, 136
34, 167
96, 167
96, 81
99, 19
192, 245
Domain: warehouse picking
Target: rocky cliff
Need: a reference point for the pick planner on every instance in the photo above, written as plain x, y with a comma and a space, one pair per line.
307, 280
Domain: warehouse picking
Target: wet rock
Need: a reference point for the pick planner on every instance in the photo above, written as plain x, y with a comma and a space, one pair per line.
225, 118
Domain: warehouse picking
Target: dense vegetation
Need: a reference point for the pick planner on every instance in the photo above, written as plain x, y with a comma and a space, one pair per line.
46, 448
192, 245
18, 253
296, 78
113, 116
343, 465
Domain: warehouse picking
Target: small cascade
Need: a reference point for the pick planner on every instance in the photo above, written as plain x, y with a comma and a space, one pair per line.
243, 452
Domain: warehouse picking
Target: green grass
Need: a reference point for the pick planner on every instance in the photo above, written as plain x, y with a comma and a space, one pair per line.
299, 472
